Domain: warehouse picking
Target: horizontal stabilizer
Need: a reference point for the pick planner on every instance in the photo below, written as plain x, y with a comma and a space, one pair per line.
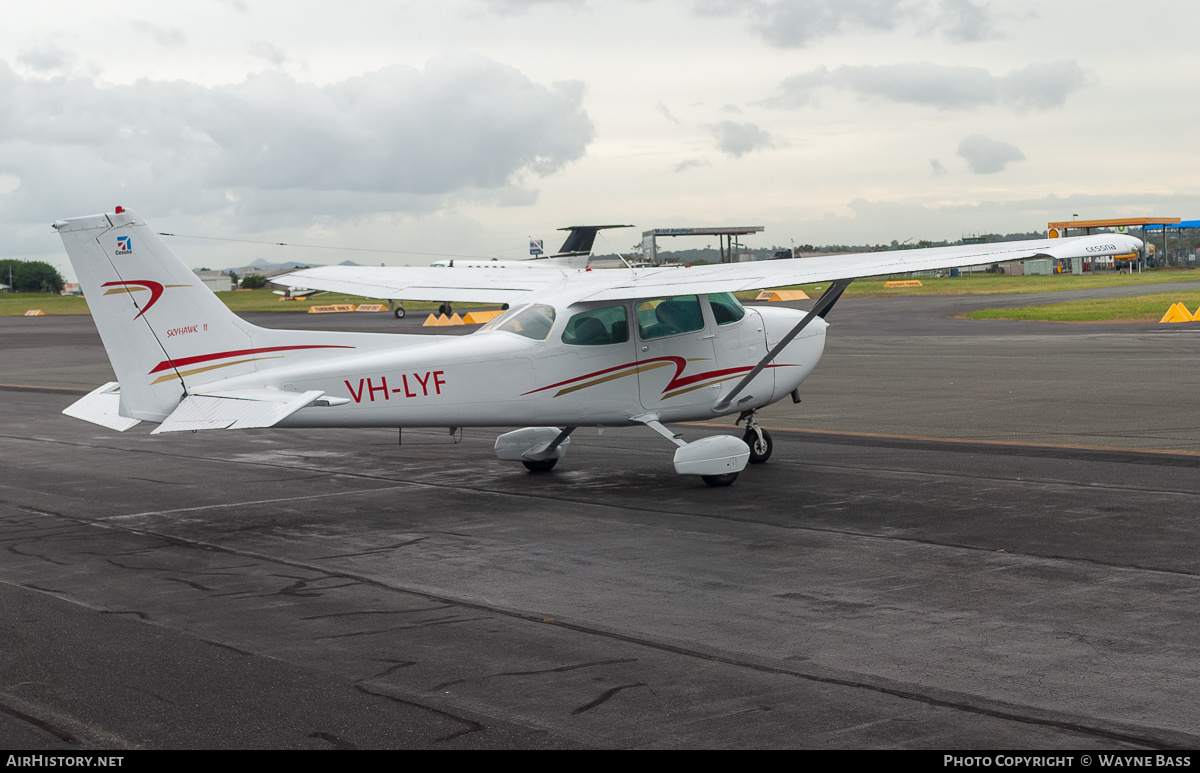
239, 409
101, 406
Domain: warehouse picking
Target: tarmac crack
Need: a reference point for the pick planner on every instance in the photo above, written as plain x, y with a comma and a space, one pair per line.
40, 724
373, 551
372, 612
335, 741
605, 697
190, 584
564, 669
469, 725
13, 549
397, 629
396, 666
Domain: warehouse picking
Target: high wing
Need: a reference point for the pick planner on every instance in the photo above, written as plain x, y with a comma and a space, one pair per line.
758, 275
487, 285
410, 283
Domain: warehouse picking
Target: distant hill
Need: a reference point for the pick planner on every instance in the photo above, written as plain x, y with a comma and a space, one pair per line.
267, 268
292, 265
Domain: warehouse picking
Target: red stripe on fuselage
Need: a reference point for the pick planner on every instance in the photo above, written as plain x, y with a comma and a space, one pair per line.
675, 383
185, 361
680, 364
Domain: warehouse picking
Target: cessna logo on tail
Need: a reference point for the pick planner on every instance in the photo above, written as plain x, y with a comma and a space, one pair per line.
124, 245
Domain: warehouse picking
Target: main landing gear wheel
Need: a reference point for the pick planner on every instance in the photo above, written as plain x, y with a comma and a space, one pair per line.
399, 312
545, 465
446, 309
716, 481
760, 450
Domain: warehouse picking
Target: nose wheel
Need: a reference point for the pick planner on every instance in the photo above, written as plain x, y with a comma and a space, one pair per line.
760, 444
757, 438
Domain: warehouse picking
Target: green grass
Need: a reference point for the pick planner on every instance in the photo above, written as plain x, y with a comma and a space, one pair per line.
16, 304
265, 300
1141, 308
998, 284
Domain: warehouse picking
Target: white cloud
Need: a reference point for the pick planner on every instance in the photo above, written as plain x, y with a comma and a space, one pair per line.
272, 54
690, 163
518, 7
738, 139
170, 37
398, 139
798, 23
662, 109
1042, 86
1037, 86
966, 22
988, 156
46, 58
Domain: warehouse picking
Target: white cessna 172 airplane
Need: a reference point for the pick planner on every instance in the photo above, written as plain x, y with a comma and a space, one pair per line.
616, 347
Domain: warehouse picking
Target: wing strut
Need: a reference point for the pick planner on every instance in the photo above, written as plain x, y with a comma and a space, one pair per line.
822, 307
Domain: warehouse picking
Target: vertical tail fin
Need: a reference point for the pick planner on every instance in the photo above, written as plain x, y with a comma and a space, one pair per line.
164, 331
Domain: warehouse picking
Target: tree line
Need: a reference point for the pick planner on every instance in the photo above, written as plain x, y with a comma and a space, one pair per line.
30, 276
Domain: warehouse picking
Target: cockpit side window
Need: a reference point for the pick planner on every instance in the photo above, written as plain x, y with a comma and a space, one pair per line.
725, 308
669, 316
597, 327
532, 321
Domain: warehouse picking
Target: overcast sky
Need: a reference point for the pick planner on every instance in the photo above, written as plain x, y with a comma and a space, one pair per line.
467, 126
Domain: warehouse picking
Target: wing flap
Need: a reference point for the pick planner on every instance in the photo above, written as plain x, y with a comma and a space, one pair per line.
101, 406
237, 409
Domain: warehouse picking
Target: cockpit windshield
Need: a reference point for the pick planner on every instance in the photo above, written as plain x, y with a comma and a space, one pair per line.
725, 308
532, 321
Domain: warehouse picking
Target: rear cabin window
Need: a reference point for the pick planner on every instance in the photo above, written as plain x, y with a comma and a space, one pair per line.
669, 316
597, 327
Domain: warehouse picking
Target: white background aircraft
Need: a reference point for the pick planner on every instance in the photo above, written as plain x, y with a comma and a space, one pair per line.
615, 347
573, 254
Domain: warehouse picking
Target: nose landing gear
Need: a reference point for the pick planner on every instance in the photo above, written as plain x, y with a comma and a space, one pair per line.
757, 438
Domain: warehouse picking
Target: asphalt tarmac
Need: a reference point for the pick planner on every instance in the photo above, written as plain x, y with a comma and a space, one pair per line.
971, 535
